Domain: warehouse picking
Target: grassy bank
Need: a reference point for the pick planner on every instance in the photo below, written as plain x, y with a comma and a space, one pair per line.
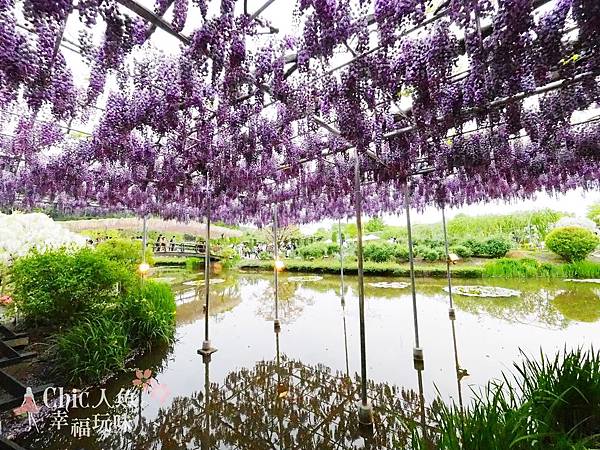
502, 268
370, 268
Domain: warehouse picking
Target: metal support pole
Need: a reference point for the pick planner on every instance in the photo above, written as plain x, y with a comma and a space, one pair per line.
144, 238
418, 352
418, 359
276, 323
365, 411
343, 300
341, 240
207, 348
452, 313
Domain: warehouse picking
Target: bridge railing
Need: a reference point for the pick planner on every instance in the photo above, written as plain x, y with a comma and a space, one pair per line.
179, 247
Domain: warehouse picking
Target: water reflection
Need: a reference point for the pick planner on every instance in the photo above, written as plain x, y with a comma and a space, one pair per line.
280, 406
299, 388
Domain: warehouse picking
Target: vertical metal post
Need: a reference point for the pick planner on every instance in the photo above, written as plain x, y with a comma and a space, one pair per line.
342, 290
276, 323
365, 411
207, 349
144, 238
451, 312
411, 262
341, 240
418, 359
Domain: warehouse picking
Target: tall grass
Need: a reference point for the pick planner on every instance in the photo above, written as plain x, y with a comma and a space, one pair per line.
551, 403
563, 394
148, 314
531, 268
464, 227
91, 349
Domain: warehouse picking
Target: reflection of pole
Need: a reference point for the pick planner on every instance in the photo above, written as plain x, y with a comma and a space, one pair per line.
206, 436
451, 312
276, 323
365, 411
341, 240
207, 349
418, 360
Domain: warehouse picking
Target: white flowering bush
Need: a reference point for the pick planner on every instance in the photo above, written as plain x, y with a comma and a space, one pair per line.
581, 222
24, 232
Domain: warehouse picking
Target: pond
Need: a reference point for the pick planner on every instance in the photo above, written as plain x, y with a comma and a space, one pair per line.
297, 388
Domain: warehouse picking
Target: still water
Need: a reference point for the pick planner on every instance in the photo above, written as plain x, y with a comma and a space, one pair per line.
298, 388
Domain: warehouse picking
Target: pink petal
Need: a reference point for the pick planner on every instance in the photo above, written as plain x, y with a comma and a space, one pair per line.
147, 373
138, 373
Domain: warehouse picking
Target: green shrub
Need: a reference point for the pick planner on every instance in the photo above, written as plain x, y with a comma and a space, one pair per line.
194, 264
401, 252
373, 225
148, 314
318, 250
128, 252
92, 349
572, 243
56, 287
496, 247
487, 248
476, 246
379, 251
462, 251
264, 256
229, 257
430, 254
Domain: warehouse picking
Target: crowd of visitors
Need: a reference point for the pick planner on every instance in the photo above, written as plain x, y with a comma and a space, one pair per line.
248, 250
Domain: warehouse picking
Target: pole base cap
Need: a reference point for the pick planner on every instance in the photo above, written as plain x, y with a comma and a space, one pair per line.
365, 415
207, 349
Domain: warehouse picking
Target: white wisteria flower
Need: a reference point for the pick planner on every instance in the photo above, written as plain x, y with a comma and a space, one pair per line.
582, 222
24, 232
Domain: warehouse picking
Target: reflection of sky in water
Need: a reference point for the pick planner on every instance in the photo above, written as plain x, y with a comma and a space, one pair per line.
490, 332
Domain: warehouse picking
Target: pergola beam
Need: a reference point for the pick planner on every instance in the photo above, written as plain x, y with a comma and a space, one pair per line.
153, 19
513, 98
260, 10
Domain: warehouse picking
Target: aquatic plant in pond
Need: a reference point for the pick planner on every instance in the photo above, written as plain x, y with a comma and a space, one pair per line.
304, 278
484, 291
389, 284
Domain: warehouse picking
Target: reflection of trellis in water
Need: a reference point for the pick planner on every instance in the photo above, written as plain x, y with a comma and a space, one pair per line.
298, 406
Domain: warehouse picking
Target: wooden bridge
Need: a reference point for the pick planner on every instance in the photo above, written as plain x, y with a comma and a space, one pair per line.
183, 250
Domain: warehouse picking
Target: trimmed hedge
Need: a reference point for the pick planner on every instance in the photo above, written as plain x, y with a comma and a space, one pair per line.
572, 243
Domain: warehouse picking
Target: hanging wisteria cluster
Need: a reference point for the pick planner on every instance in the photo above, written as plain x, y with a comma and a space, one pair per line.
465, 101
